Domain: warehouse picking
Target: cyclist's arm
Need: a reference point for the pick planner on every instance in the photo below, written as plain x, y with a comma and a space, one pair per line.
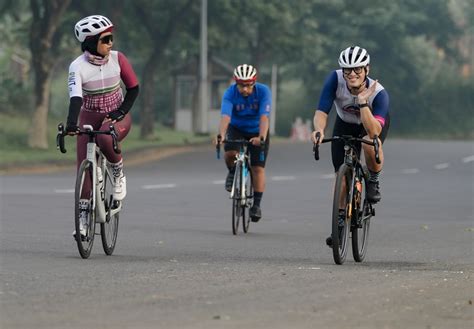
223, 125
373, 119
319, 121
75, 96
129, 78
326, 99
265, 108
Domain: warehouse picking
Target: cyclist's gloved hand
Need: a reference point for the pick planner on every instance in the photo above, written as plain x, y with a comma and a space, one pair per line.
116, 115
72, 127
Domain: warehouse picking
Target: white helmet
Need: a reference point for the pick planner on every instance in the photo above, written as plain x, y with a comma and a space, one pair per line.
354, 57
90, 26
245, 72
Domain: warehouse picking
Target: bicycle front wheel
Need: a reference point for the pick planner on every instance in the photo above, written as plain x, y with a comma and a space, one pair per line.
248, 183
237, 209
341, 228
360, 221
109, 229
84, 180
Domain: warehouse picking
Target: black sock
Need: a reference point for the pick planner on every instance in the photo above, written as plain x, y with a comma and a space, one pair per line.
257, 197
374, 176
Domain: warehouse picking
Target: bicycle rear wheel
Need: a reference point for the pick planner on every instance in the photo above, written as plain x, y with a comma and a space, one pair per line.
248, 179
360, 221
109, 229
84, 243
340, 230
237, 209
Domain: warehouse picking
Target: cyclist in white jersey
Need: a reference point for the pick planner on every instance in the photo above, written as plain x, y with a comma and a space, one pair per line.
362, 106
96, 96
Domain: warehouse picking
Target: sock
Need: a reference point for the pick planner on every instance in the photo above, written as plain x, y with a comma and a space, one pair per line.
117, 168
257, 197
374, 176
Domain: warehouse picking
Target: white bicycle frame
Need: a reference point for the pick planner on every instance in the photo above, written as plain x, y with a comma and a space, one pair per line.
94, 155
240, 158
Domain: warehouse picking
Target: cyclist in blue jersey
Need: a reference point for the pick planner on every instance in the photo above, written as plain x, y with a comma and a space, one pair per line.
362, 106
245, 111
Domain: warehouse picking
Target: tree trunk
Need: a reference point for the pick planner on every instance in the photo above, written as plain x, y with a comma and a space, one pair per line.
47, 16
147, 115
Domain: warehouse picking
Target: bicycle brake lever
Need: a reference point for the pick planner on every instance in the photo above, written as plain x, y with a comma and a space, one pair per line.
114, 135
316, 146
60, 138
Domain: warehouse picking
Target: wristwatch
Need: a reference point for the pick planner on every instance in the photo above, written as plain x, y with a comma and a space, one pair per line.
364, 105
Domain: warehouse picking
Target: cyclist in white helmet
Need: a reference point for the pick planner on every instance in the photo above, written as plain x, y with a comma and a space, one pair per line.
362, 106
96, 97
245, 111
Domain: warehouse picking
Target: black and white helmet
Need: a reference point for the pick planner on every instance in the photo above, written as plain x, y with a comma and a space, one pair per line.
245, 72
90, 26
354, 57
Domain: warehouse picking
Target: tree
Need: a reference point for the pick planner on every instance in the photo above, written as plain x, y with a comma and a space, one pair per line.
161, 21
44, 40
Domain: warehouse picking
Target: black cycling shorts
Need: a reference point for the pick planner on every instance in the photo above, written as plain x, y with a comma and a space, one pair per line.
255, 159
344, 128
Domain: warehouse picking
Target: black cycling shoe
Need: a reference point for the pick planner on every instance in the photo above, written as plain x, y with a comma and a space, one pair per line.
255, 213
229, 180
373, 192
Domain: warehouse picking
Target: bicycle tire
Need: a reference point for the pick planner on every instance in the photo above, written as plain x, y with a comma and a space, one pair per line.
248, 200
84, 245
340, 235
360, 222
109, 229
236, 205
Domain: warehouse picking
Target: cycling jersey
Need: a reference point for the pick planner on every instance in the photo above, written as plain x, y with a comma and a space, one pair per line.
335, 91
245, 112
99, 85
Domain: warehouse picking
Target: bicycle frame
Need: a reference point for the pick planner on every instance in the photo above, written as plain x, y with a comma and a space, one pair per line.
242, 160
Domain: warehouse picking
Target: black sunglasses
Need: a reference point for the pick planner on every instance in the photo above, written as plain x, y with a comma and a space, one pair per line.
107, 39
357, 70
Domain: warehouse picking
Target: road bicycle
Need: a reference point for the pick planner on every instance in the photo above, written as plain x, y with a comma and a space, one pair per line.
242, 186
350, 196
103, 208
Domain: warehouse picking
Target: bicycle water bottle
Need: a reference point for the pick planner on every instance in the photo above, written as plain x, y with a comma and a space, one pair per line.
100, 179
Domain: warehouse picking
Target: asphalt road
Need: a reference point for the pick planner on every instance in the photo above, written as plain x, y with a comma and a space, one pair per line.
177, 264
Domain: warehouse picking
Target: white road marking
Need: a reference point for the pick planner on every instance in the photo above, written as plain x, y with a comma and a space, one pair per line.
282, 178
468, 159
328, 176
411, 171
442, 165
158, 186
63, 190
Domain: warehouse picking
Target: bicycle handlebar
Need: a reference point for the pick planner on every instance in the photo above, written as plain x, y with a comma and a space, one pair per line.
347, 139
87, 131
238, 141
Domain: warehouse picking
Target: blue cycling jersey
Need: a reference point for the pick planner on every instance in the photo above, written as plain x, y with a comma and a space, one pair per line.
245, 112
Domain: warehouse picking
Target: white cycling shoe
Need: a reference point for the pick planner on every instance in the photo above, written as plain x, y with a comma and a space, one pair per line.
120, 187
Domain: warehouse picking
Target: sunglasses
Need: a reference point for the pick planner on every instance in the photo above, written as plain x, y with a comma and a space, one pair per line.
357, 70
243, 85
107, 39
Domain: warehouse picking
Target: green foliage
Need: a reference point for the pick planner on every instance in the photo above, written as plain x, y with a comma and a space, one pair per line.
418, 48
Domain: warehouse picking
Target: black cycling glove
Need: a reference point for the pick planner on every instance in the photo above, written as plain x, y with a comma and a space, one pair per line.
116, 115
